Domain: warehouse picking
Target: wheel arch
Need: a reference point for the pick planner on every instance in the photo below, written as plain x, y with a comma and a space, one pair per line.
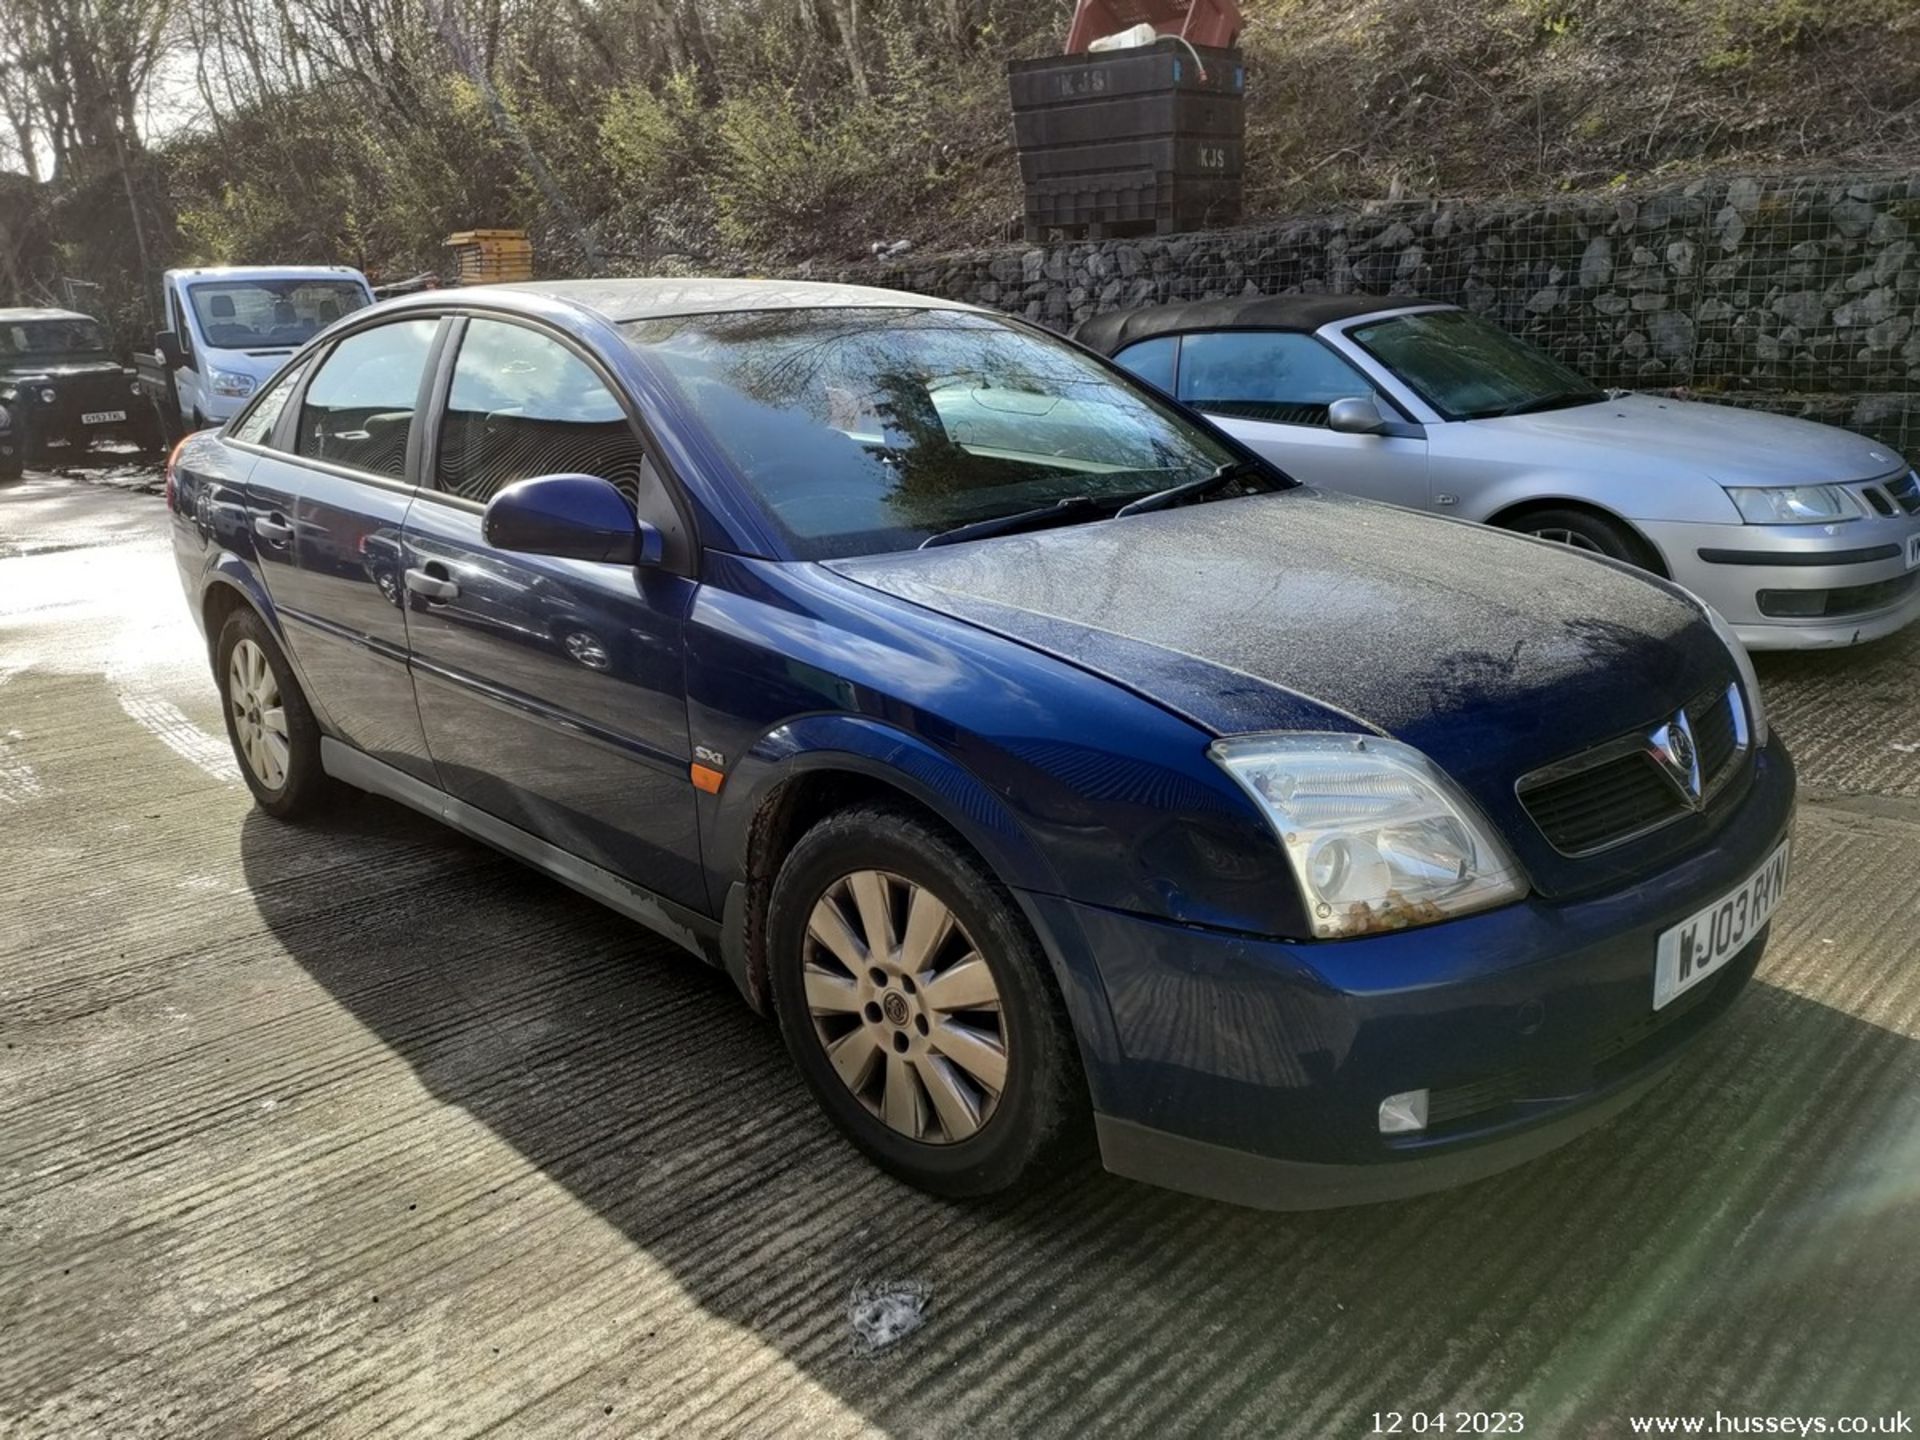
1505, 518
803, 772
230, 584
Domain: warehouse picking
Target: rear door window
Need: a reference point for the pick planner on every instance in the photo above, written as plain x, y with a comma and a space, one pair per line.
1287, 379
256, 426
358, 411
1153, 360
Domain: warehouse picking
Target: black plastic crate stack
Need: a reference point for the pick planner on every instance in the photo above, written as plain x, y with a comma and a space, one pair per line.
1129, 141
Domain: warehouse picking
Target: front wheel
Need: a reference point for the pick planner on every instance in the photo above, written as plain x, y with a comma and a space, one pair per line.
1583, 530
275, 737
917, 1005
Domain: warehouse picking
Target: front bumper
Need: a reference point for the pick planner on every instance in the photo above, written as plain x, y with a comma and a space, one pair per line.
1861, 564
1252, 1070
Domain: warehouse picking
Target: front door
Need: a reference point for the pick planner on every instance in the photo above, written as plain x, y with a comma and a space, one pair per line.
1271, 390
552, 691
327, 521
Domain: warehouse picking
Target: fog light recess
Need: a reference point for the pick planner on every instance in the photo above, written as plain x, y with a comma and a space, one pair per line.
1404, 1113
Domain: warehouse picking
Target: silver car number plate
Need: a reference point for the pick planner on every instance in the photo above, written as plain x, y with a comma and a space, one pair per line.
102, 417
1708, 939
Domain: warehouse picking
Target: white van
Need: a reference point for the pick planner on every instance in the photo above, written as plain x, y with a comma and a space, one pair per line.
229, 328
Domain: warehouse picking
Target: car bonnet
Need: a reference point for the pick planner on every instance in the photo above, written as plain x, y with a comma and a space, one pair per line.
1308, 610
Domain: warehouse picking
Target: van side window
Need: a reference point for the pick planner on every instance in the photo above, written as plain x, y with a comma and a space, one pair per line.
256, 426
1284, 378
522, 405
180, 327
358, 411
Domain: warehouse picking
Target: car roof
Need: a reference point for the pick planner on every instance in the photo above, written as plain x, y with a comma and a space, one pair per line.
645, 299
32, 313
1117, 329
267, 272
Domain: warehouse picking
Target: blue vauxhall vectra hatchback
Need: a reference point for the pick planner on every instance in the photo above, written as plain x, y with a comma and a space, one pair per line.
1047, 765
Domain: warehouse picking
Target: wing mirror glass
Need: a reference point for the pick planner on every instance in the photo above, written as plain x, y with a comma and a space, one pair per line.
1356, 415
167, 342
574, 517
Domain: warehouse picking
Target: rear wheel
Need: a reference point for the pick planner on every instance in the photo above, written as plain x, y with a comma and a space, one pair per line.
1584, 530
275, 737
915, 1002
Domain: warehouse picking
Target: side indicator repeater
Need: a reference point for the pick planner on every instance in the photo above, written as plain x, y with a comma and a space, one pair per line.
706, 778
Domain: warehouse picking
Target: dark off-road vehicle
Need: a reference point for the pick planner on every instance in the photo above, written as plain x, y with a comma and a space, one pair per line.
61, 390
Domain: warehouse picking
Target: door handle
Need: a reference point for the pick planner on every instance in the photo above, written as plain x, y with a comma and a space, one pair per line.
430, 586
273, 528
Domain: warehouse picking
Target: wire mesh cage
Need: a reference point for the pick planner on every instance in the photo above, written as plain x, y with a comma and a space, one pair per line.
1799, 295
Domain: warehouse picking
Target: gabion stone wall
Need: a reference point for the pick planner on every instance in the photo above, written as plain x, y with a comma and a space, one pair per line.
1799, 295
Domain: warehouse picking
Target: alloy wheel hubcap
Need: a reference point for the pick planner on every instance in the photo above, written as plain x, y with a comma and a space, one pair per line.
1569, 537
259, 717
905, 1006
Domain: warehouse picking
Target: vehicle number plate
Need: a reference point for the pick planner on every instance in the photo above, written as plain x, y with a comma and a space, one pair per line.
102, 417
1703, 942
1913, 550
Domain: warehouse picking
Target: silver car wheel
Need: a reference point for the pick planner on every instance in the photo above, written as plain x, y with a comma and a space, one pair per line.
905, 1006
259, 715
1569, 537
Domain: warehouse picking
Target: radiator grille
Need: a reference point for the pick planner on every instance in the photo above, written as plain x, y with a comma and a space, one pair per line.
1624, 792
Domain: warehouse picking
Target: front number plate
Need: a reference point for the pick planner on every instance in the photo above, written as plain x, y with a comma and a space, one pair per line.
1702, 943
102, 417
1913, 550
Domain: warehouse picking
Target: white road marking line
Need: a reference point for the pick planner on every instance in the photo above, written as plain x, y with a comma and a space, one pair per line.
18, 783
168, 724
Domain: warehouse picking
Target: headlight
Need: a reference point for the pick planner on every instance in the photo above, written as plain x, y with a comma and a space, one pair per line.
1794, 504
1378, 837
1749, 681
236, 387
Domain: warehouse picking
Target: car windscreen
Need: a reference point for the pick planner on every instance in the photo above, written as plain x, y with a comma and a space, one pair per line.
861, 430
20, 339
270, 314
1470, 369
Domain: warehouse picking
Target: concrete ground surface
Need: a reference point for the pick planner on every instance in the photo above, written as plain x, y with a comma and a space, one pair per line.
364, 1129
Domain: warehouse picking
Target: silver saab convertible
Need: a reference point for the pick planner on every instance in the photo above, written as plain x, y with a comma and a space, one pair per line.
1801, 535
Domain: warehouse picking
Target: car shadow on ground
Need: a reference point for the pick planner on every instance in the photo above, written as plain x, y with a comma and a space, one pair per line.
1746, 1239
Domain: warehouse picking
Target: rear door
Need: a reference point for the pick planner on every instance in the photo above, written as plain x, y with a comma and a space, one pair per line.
327, 505
1272, 389
553, 691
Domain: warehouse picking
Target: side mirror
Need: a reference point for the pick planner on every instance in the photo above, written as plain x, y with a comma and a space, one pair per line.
574, 517
1357, 415
167, 342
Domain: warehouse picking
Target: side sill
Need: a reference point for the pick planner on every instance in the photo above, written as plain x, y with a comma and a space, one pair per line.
687, 928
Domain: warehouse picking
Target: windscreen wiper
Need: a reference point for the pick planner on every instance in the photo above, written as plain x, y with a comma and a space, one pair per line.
1191, 489
1060, 512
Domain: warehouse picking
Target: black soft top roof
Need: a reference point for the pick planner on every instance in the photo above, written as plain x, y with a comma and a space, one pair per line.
1117, 329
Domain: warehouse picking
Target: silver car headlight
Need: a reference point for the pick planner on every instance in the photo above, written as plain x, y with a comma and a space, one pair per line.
1749, 681
1794, 504
1378, 837
225, 382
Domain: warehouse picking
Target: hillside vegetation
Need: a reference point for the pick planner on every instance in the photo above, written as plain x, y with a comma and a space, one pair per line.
754, 134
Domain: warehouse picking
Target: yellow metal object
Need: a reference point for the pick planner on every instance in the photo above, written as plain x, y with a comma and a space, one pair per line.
490, 257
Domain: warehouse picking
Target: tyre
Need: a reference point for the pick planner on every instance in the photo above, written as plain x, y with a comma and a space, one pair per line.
275, 737
917, 1005
1583, 530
